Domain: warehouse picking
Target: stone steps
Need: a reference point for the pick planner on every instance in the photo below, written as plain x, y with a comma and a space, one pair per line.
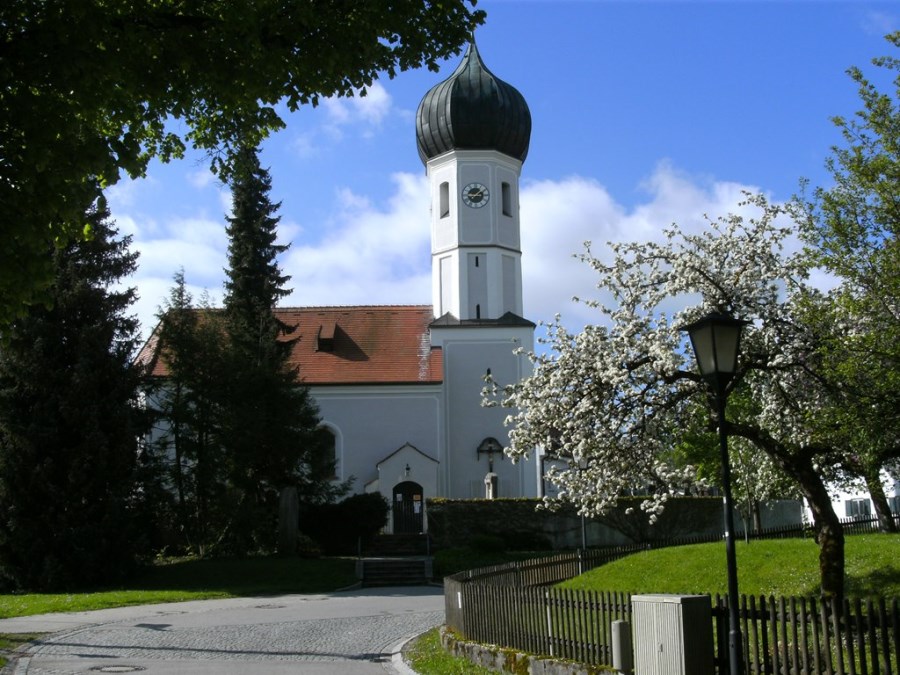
394, 571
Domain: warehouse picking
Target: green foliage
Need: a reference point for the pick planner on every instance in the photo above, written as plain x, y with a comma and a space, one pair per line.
487, 543
69, 424
755, 478
188, 406
786, 567
90, 89
235, 425
340, 527
851, 229
269, 422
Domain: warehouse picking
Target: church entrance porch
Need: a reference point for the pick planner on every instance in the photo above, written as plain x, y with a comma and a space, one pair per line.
408, 508
404, 478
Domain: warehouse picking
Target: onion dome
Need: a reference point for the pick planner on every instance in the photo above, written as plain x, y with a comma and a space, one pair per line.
473, 109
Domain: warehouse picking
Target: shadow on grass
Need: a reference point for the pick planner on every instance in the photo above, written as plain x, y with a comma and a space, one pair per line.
179, 580
876, 583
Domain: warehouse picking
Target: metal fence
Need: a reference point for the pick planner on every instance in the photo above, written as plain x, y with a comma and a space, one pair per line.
514, 606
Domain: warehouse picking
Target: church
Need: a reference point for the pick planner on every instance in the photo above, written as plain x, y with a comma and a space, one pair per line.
399, 387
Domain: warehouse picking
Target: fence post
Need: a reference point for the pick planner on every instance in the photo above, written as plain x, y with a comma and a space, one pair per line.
549, 624
622, 650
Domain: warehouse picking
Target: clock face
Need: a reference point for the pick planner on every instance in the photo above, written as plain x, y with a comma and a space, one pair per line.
475, 195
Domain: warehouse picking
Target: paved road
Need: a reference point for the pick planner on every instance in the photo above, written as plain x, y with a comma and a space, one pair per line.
354, 632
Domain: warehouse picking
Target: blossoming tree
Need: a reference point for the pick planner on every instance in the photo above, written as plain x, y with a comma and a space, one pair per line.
611, 403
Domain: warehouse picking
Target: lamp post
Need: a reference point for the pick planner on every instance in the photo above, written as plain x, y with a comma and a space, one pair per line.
716, 341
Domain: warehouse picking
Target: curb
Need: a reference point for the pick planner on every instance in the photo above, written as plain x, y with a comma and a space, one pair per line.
398, 664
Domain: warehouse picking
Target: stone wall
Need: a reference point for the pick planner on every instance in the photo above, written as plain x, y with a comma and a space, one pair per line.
523, 526
514, 662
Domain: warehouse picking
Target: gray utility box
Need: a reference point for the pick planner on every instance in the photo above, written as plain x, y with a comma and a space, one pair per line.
673, 634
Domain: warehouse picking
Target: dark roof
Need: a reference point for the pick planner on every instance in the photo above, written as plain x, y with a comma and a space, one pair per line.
508, 319
349, 345
473, 110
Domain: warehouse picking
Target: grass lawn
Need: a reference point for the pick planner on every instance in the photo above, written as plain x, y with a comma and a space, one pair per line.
426, 656
179, 580
788, 567
777, 567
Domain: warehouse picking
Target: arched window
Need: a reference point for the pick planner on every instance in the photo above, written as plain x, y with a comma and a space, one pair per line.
327, 456
445, 199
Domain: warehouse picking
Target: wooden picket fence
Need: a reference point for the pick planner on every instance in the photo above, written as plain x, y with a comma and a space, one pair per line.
515, 606
784, 636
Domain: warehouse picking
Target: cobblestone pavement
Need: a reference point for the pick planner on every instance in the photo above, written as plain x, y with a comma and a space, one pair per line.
350, 632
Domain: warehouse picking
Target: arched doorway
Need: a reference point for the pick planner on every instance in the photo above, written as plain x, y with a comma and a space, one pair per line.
408, 508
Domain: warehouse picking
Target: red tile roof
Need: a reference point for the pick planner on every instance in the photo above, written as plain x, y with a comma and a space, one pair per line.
352, 345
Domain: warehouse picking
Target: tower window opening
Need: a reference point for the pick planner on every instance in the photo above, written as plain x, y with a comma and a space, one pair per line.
476, 261
506, 198
477, 311
445, 199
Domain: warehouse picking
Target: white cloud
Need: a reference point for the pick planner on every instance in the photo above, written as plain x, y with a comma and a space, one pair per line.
127, 191
304, 145
370, 254
195, 244
370, 109
379, 253
558, 217
365, 113
880, 23
201, 178
374, 106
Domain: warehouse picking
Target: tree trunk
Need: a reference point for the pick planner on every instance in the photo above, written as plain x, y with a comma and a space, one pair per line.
886, 521
829, 533
757, 517
288, 521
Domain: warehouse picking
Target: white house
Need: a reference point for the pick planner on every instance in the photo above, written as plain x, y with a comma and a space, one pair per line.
857, 504
399, 387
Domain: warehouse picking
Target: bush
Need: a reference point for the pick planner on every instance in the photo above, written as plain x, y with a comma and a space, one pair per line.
527, 541
339, 528
487, 543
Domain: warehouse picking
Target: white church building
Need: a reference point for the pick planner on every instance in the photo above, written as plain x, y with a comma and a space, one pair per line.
399, 387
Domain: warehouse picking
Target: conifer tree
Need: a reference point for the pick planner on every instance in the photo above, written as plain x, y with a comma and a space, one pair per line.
188, 403
69, 423
269, 420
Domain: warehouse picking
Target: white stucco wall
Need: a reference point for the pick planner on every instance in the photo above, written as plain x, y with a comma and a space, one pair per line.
371, 422
468, 353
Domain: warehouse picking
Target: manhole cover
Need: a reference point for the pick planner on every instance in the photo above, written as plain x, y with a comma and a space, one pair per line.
118, 669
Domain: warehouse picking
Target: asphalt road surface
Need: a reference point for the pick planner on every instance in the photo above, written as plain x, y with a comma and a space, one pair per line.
353, 632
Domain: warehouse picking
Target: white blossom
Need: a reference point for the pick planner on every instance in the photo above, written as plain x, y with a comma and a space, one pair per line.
608, 404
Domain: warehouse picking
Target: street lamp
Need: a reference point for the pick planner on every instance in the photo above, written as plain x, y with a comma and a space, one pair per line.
716, 341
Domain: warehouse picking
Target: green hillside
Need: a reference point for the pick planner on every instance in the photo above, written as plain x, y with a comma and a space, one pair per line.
788, 567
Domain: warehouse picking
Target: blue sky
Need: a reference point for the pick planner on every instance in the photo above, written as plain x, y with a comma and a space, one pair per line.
644, 114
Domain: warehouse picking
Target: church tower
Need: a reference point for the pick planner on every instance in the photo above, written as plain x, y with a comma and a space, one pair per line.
473, 131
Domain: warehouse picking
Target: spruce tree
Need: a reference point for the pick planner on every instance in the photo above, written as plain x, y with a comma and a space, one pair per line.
69, 423
188, 403
269, 419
